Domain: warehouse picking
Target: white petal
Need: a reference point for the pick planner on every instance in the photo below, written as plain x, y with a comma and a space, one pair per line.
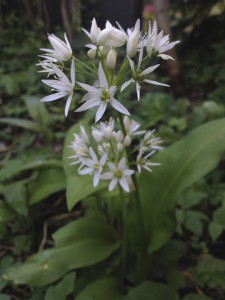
53, 97
138, 89
126, 84
112, 184
100, 112
102, 78
72, 72
118, 106
155, 82
60, 74
86, 171
149, 70
107, 175
89, 104
89, 88
122, 163
96, 179
93, 155
124, 184
68, 102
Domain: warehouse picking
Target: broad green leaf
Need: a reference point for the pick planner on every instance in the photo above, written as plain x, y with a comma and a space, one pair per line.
78, 187
154, 291
49, 265
37, 110
15, 166
15, 195
27, 124
72, 251
82, 229
47, 182
103, 289
62, 289
182, 164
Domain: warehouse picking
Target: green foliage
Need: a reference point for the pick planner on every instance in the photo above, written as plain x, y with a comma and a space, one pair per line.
87, 241
188, 160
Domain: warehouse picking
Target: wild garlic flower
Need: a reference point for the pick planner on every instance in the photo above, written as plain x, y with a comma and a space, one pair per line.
101, 96
158, 43
61, 85
103, 155
140, 76
61, 50
118, 173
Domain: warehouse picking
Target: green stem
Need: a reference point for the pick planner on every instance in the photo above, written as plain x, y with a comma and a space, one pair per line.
141, 248
124, 233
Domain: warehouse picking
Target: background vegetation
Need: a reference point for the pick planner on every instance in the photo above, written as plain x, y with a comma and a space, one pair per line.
32, 181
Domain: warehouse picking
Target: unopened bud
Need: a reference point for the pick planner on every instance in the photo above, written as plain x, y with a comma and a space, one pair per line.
97, 136
111, 59
127, 141
92, 53
119, 136
120, 147
108, 132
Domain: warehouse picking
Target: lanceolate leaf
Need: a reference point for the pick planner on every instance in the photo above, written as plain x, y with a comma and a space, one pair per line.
182, 164
73, 250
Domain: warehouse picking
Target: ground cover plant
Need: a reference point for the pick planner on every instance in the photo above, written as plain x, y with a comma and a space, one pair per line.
75, 222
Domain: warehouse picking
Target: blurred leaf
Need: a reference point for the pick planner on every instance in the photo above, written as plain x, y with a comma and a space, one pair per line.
196, 297
47, 182
27, 124
62, 289
182, 164
219, 216
6, 213
152, 290
37, 110
215, 230
15, 166
15, 195
106, 288
51, 264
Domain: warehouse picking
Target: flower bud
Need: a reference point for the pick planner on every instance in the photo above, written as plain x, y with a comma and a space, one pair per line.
92, 53
119, 136
111, 59
120, 147
108, 132
132, 44
127, 141
97, 136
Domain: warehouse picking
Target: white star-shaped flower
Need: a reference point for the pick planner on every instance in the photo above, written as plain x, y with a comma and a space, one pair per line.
101, 96
93, 166
119, 173
61, 85
158, 42
140, 76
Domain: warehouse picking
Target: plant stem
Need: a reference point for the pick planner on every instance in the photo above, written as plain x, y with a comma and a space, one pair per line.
124, 233
141, 251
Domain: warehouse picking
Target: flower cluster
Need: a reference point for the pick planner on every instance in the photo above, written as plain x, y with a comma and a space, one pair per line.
109, 77
103, 154
115, 150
